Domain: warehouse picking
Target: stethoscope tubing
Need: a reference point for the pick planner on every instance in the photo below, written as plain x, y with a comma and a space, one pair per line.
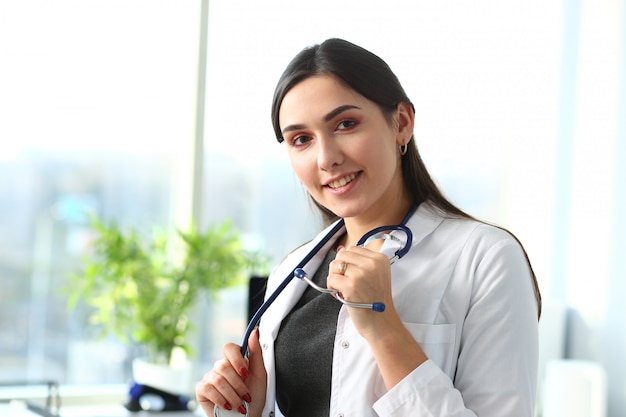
377, 233
270, 300
338, 226
375, 306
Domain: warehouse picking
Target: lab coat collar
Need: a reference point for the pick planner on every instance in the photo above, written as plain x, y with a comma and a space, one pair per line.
422, 223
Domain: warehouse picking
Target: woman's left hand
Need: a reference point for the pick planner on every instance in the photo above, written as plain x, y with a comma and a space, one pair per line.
364, 276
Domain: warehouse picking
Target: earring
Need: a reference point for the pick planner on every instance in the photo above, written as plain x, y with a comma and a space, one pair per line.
403, 148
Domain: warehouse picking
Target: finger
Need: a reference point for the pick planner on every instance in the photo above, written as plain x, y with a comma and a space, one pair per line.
360, 259
225, 385
365, 277
338, 267
202, 397
235, 371
258, 375
255, 352
354, 252
342, 261
232, 353
208, 395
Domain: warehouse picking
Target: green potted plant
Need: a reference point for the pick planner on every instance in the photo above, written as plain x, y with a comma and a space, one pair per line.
142, 288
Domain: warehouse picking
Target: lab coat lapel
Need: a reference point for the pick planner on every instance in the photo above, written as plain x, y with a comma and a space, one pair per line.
292, 293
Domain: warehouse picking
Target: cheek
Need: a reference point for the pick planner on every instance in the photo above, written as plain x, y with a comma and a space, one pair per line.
302, 168
383, 161
380, 153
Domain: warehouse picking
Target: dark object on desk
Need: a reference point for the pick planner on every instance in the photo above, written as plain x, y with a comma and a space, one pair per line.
146, 398
256, 294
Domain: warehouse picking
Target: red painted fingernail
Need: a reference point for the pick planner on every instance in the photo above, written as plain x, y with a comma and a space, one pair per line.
228, 406
244, 373
242, 409
247, 398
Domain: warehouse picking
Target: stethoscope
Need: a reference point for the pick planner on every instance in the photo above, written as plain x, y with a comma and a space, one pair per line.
382, 232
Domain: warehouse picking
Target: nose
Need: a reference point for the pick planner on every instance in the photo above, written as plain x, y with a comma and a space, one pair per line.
329, 153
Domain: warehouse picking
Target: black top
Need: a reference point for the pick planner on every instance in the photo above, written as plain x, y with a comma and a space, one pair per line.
304, 351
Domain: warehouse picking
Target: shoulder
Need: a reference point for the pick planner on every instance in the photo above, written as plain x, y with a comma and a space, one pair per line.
467, 231
490, 238
485, 234
490, 256
466, 239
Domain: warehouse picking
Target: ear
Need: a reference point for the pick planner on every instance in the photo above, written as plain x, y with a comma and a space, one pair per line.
406, 122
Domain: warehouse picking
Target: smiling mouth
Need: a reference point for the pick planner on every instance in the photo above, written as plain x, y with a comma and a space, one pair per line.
343, 181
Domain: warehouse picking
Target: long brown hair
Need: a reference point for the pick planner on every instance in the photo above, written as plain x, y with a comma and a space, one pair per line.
371, 77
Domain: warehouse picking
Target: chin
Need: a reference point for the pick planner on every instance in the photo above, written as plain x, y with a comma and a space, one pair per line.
344, 212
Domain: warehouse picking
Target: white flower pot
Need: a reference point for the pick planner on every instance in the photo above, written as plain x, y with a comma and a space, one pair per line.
171, 379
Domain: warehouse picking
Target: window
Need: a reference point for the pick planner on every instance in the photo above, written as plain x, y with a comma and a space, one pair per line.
98, 111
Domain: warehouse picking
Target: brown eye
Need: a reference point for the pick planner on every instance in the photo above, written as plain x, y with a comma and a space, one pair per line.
346, 124
300, 140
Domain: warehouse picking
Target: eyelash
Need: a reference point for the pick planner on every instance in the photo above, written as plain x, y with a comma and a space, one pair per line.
350, 121
295, 141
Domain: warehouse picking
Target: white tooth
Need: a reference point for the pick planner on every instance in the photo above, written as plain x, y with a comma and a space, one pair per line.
342, 182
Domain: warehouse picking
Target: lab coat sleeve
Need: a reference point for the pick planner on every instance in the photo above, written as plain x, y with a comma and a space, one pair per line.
496, 369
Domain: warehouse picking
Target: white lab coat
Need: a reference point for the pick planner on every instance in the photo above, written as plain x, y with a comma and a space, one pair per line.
465, 292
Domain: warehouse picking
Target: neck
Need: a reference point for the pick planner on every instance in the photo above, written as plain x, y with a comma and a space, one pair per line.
359, 225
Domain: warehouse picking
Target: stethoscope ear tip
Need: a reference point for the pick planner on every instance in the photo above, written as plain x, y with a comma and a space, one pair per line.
299, 273
378, 307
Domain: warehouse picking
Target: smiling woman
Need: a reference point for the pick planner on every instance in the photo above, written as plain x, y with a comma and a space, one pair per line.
344, 146
449, 303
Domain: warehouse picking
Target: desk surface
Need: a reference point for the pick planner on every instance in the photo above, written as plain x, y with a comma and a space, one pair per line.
13, 410
120, 411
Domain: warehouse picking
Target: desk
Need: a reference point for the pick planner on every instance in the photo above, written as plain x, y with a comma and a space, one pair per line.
12, 410
120, 411
17, 410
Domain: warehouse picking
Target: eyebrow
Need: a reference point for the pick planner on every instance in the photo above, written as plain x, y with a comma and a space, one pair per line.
328, 117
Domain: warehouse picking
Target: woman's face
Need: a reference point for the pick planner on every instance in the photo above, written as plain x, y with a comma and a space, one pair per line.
344, 150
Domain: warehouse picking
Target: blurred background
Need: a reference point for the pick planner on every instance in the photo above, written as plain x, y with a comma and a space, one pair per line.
156, 112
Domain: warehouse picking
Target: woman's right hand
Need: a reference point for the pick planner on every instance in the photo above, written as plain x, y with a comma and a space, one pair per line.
235, 378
